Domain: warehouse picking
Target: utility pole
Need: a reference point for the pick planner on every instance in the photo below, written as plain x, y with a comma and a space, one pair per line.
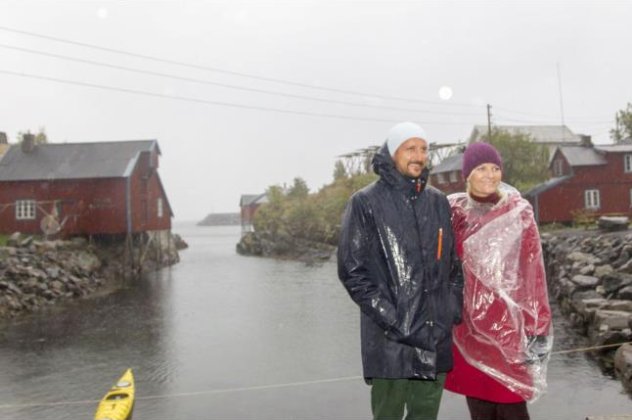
559, 84
489, 123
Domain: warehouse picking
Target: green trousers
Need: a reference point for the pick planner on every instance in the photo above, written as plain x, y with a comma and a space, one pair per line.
420, 398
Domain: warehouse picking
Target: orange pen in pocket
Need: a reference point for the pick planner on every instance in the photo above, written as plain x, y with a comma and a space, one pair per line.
439, 243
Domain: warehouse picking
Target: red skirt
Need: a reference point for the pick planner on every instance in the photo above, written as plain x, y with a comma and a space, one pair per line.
467, 380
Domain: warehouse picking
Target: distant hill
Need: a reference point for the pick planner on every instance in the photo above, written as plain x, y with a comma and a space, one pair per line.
221, 219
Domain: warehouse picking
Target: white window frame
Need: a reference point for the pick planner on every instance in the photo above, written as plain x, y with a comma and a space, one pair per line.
441, 178
160, 208
25, 209
591, 199
627, 163
454, 176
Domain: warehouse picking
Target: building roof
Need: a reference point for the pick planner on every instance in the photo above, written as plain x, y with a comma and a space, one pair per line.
73, 160
252, 199
546, 185
546, 134
449, 164
616, 148
582, 156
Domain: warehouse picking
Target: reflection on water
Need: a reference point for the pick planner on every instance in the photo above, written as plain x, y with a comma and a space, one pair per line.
214, 336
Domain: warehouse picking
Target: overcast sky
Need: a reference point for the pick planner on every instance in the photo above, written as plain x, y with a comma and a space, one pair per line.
242, 95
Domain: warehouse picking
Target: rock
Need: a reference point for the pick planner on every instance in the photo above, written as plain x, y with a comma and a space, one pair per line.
78, 242
624, 256
626, 267
585, 282
625, 293
583, 311
46, 272
614, 281
53, 272
583, 257
611, 320
602, 270
14, 239
180, 243
563, 288
623, 365
26, 242
587, 270
618, 305
86, 261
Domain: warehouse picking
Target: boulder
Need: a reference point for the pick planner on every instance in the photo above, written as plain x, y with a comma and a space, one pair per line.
585, 282
583, 257
614, 281
606, 320
623, 365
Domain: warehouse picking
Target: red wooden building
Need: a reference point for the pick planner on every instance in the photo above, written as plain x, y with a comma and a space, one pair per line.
83, 189
446, 176
594, 180
248, 204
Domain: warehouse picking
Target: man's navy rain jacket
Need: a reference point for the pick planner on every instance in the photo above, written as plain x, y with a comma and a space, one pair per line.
397, 260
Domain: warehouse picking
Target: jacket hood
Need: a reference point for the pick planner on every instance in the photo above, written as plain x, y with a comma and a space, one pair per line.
384, 167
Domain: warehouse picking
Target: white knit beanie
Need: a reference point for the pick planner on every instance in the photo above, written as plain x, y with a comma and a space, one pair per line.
402, 132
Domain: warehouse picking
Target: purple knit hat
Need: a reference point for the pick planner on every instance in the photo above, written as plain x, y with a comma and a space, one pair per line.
477, 154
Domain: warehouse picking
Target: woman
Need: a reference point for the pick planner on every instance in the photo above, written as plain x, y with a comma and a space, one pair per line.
501, 348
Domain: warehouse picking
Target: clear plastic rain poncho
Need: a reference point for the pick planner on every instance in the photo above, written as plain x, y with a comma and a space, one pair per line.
506, 331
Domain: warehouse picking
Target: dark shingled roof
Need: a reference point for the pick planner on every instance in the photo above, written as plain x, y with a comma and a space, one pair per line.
73, 160
449, 164
582, 156
545, 186
250, 199
556, 134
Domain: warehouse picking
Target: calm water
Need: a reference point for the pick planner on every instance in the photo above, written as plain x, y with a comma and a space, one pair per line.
220, 336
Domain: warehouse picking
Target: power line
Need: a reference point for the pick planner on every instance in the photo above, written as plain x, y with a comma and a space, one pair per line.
575, 118
224, 85
551, 121
205, 101
218, 70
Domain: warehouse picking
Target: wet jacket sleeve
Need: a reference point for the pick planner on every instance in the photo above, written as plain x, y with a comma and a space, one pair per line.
355, 263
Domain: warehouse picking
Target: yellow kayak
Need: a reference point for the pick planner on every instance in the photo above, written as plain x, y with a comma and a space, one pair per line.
118, 403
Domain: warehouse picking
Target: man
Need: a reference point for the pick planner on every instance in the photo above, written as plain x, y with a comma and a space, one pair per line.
396, 259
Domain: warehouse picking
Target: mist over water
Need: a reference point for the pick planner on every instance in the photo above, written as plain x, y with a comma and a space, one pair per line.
225, 336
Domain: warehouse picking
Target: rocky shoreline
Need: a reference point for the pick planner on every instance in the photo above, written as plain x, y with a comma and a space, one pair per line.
284, 247
590, 276
35, 274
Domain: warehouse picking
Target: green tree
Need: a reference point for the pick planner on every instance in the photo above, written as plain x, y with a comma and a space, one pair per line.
301, 215
525, 163
298, 190
623, 127
269, 217
339, 171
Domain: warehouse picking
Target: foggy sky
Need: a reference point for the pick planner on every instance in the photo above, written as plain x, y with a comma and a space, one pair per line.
369, 63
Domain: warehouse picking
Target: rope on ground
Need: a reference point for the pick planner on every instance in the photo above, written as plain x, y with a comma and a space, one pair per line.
189, 394
261, 387
582, 349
